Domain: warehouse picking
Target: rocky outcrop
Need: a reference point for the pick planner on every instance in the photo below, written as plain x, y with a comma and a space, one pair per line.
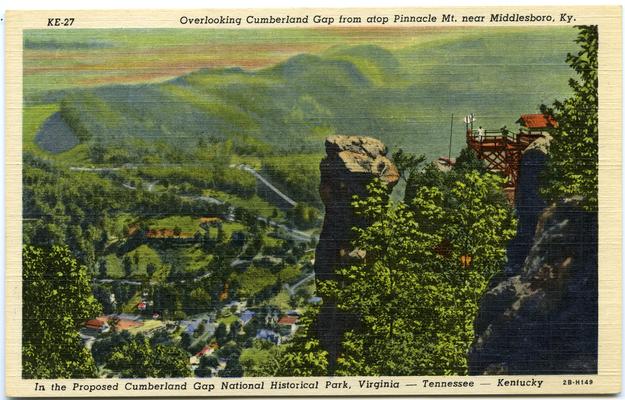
539, 316
351, 163
528, 203
542, 318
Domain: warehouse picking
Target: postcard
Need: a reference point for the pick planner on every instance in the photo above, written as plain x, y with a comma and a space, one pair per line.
306, 202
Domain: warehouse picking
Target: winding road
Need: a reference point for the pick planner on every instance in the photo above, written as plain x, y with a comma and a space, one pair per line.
292, 289
265, 182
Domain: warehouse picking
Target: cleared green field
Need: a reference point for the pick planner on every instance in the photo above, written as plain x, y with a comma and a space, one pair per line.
187, 258
144, 255
231, 227
119, 223
140, 258
148, 325
271, 241
114, 266
33, 118
185, 223
131, 305
279, 300
227, 320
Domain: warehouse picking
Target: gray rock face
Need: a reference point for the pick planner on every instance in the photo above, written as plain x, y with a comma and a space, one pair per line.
351, 163
528, 203
542, 318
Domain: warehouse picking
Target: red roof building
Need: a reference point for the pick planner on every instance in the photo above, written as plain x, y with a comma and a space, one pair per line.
537, 122
288, 320
94, 324
287, 325
207, 350
97, 325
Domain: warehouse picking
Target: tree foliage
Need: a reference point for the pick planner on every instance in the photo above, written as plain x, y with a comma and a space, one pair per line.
428, 261
261, 359
407, 164
206, 367
574, 153
304, 356
233, 368
138, 358
57, 301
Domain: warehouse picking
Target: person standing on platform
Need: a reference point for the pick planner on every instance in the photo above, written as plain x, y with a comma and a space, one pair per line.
505, 132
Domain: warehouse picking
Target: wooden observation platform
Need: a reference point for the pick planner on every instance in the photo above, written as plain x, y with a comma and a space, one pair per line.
502, 150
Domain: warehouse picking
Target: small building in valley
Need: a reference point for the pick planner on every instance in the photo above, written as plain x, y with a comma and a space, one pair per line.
271, 336
97, 326
287, 325
246, 316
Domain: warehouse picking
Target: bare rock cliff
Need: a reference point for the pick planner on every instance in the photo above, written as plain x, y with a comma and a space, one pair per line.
351, 163
540, 315
528, 203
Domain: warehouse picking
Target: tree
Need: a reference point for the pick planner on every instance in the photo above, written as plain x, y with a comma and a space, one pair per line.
177, 231
233, 368
126, 230
228, 350
573, 153
160, 337
178, 315
261, 359
467, 160
127, 264
150, 269
113, 323
407, 164
221, 234
102, 348
304, 216
103, 294
235, 328
207, 364
185, 340
102, 268
428, 261
221, 333
201, 328
97, 152
139, 359
207, 241
201, 298
57, 300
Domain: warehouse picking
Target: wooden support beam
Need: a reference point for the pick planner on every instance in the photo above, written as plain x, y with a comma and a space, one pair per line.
502, 154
